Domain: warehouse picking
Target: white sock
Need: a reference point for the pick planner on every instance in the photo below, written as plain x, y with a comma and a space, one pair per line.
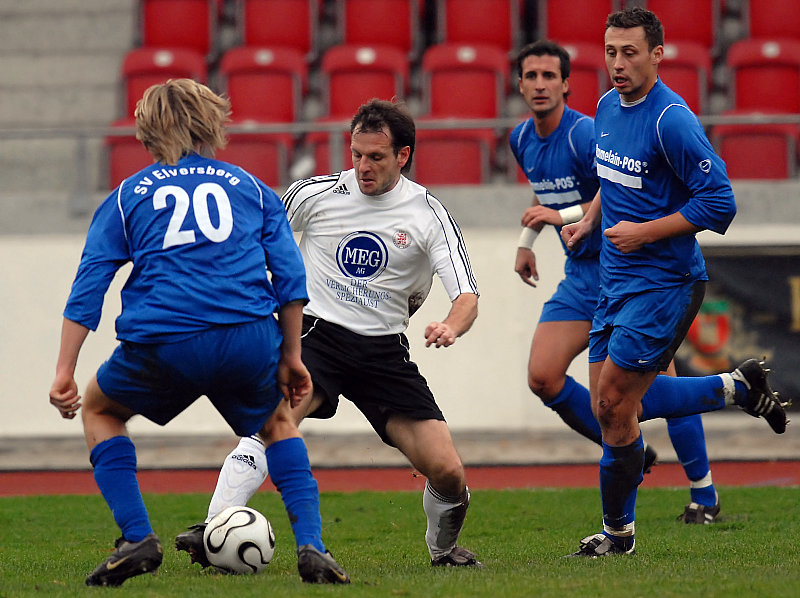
242, 473
445, 519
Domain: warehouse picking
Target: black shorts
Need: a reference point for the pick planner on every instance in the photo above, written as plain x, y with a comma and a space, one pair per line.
374, 372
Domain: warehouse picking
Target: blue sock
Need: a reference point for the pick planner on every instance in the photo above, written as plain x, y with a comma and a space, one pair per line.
740, 393
290, 471
574, 406
689, 442
114, 462
620, 476
678, 397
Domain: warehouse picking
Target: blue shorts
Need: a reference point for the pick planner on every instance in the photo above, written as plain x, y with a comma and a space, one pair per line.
575, 298
234, 366
642, 332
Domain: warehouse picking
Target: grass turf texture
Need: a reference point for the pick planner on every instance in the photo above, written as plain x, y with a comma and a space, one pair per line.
48, 544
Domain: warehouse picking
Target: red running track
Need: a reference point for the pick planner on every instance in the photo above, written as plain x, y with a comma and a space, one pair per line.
726, 473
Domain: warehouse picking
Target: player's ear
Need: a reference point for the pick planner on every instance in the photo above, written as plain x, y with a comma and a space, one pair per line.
403, 155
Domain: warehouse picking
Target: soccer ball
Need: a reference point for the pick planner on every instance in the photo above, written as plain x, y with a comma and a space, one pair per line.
239, 540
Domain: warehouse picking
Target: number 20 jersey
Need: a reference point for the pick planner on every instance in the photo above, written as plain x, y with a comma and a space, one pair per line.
200, 236
370, 260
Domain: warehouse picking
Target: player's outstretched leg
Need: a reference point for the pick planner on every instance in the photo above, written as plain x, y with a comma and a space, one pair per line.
760, 400
689, 441
242, 473
445, 519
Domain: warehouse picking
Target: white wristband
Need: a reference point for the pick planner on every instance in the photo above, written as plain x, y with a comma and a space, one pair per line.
571, 214
527, 237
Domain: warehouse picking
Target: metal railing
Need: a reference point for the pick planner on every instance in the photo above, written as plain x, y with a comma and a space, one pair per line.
79, 197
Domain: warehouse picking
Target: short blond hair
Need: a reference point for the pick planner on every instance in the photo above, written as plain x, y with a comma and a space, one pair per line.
181, 116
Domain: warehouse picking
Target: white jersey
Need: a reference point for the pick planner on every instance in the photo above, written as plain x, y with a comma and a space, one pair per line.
370, 260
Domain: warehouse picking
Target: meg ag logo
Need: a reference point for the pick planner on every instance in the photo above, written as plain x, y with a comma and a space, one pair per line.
361, 255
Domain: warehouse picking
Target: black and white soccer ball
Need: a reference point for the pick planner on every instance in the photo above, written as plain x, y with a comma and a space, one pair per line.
239, 540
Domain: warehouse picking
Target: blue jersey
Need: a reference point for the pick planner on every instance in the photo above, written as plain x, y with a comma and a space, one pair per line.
654, 159
201, 236
560, 168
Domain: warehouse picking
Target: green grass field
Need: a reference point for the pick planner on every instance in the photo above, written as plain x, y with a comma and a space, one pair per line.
49, 543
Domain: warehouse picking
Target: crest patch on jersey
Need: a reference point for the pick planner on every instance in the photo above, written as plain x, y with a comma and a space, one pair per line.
401, 239
361, 255
705, 166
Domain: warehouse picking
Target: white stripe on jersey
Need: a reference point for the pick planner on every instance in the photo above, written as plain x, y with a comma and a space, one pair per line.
626, 180
547, 199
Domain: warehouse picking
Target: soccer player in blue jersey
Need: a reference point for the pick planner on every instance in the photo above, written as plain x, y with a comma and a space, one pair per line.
198, 318
555, 149
660, 184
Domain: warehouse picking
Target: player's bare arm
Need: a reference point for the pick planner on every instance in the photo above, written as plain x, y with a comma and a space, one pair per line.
462, 314
64, 390
293, 377
632, 236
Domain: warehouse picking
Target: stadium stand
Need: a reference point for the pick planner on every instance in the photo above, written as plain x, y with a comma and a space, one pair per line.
126, 154
286, 23
574, 21
686, 68
588, 78
688, 20
264, 83
146, 66
772, 18
353, 74
485, 22
757, 151
765, 74
385, 22
266, 156
189, 24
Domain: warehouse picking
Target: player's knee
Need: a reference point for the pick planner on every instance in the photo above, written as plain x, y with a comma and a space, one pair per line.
448, 477
543, 385
280, 425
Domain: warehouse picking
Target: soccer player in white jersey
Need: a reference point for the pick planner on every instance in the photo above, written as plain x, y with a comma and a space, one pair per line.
660, 184
198, 318
372, 241
555, 150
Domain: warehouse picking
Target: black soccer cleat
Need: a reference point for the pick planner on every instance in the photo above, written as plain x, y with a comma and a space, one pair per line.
650, 458
699, 514
317, 567
458, 557
128, 560
601, 545
192, 542
761, 400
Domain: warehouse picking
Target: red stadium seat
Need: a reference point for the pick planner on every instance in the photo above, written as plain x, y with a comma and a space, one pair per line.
188, 24
453, 157
319, 145
575, 21
588, 78
385, 22
264, 84
688, 20
466, 81
143, 67
356, 74
485, 22
264, 156
686, 69
773, 18
126, 154
766, 74
757, 151
289, 23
